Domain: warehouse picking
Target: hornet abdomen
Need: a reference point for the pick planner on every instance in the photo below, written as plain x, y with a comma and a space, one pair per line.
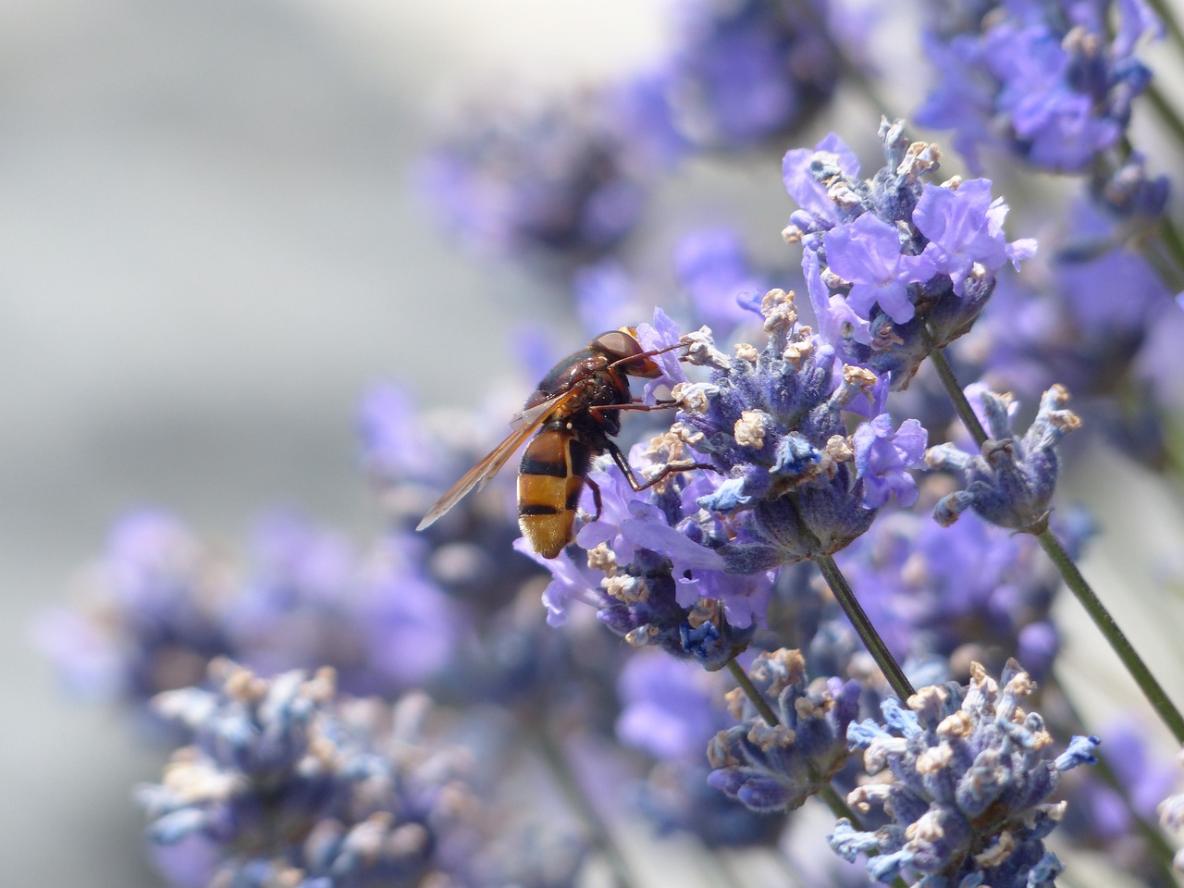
550, 479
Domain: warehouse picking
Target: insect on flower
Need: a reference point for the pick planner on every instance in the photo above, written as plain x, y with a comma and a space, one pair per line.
575, 412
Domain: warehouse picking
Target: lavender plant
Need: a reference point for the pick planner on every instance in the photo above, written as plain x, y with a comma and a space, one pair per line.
1051, 83
968, 799
287, 782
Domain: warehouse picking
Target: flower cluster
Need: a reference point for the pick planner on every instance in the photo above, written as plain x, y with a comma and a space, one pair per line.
744, 72
895, 265
970, 774
969, 592
150, 615
1011, 482
687, 565
558, 178
284, 784
161, 606
794, 483
671, 709
1048, 82
778, 767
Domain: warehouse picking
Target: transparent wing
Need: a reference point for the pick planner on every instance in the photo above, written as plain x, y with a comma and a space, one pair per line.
524, 425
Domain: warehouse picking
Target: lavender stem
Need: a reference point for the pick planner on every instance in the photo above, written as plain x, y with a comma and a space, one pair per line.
863, 625
1152, 690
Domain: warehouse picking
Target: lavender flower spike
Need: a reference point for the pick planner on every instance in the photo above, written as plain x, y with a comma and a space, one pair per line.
794, 484
778, 767
1011, 483
971, 774
895, 264
286, 784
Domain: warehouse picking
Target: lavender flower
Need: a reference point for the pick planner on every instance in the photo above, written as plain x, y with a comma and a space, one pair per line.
671, 709
970, 777
895, 265
311, 599
557, 179
150, 618
1100, 818
794, 484
744, 72
285, 783
777, 767
1045, 82
1011, 483
969, 592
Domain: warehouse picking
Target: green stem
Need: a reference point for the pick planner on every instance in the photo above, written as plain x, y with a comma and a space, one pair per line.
1073, 578
961, 406
863, 625
1152, 690
560, 768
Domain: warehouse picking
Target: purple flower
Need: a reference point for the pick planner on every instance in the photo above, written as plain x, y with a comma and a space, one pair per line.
150, 617
740, 73
866, 254
883, 456
284, 782
311, 600
804, 172
1011, 483
559, 179
778, 767
1046, 82
964, 226
972, 773
771, 421
895, 265
670, 708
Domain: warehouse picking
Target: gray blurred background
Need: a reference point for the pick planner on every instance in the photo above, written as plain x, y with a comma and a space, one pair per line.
209, 245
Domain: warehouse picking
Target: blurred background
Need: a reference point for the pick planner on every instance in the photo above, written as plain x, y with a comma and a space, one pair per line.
211, 243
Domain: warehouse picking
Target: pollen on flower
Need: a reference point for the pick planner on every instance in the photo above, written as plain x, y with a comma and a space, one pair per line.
693, 397
998, 853
749, 430
747, 352
934, 759
603, 559
625, 588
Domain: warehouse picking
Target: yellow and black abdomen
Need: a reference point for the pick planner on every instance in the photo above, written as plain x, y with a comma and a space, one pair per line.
550, 479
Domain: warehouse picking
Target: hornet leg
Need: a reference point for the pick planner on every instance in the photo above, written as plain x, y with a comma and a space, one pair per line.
595, 497
667, 471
